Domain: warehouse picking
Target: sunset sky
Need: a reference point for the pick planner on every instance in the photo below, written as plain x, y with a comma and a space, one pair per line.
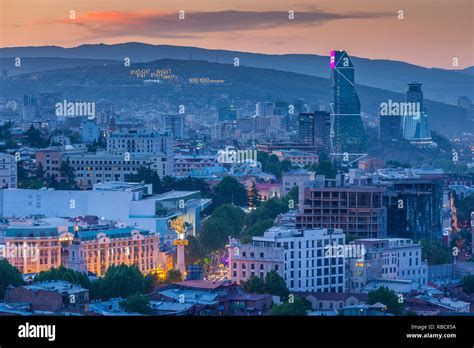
432, 33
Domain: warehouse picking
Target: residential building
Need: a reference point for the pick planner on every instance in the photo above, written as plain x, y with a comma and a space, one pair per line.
391, 127
268, 123
140, 142
268, 190
414, 204
184, 164
327, 301
270, 147
357, 210
90, 131
265, 109
441, 274
248, 304
246, 260
50, 159
430, 305
223, 131
307, 266
297, 158
8, 171
365, 310
227, 113
50, 296
90, 169
315, 128
387, 259
29, 109
370, 164
175, 124
294, 178
306, 128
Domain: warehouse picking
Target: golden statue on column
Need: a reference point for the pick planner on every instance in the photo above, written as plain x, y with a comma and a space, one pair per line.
178, 226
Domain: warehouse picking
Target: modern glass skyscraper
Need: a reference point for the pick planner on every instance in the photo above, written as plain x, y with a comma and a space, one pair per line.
347, 129
306, 127
314, 129
416, 127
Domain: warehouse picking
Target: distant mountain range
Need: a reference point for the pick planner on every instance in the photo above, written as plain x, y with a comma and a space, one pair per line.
112, 81
469, 71
438, 84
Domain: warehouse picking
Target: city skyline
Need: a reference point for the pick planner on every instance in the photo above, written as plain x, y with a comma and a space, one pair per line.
274, 28
236, 160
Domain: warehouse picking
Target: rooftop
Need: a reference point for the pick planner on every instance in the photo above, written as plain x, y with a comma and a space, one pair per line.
190, 296
173, 195
202, 284
288, 231
112, 233
57, 286
119, 186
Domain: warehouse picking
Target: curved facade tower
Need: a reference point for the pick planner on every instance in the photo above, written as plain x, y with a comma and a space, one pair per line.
347, 130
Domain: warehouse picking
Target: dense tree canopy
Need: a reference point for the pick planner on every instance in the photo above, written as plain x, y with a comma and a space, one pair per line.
464, 207
174, 276
34, 138
120, 281
298, 307
387, 297
9, 275
169, 183
271, 164
229, 190
254, 285
225, 221
323, 167
468, 284
136, 303
273, 284
63, 273
434, 252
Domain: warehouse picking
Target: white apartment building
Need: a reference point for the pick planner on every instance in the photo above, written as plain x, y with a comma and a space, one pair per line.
389, 258
140, 142
126, 154
90, 169
307, 266
8, 171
